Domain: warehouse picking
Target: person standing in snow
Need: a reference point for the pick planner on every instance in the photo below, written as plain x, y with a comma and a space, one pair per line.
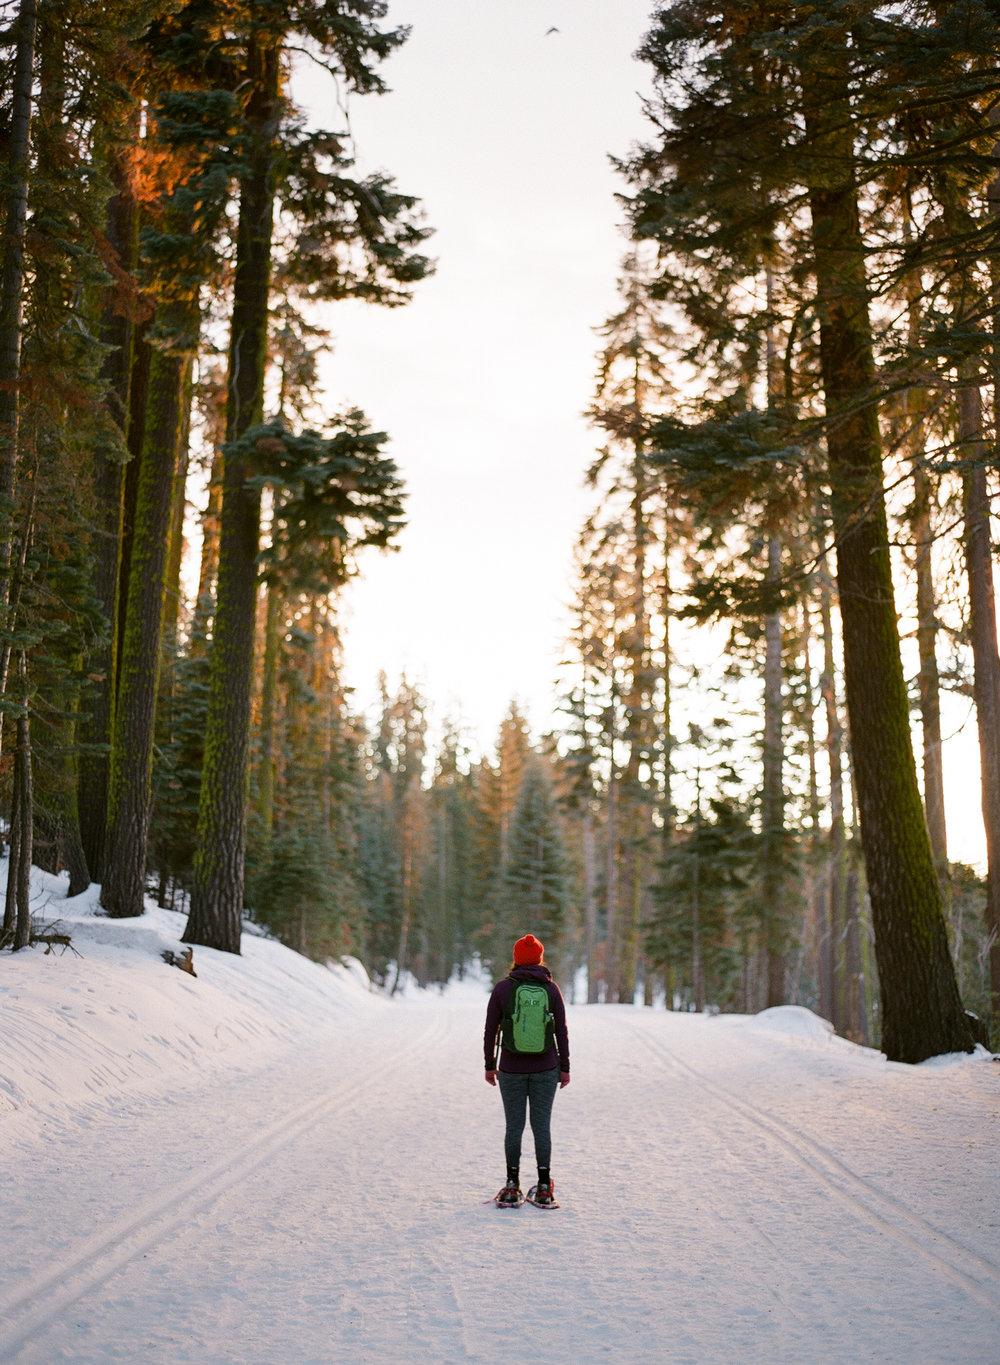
528, 1080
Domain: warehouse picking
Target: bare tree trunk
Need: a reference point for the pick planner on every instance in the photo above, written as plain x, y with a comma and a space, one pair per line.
11, 289
914, 406
590, 905
922, 1012
209, 565
217, 893
836, 864
268, 711
172, 596
986, 660
97, 721
773, 798
611, 880
142, 362
818, 925
856, 1009
697, 975
928, 679
129, 794
19, 866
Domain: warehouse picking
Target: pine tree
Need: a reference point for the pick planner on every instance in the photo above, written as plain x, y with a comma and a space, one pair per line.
16, 179
342, 213
197, 128
633, 368
533, 895
737, 114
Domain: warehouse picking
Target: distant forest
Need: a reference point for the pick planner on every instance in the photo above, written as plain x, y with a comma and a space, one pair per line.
795, 414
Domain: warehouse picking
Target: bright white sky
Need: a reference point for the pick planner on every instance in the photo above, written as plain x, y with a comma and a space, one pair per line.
503, 129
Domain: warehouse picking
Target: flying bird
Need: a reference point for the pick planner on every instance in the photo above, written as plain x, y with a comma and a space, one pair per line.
553, 29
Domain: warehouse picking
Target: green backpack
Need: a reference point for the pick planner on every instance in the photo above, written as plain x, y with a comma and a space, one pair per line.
527, 1021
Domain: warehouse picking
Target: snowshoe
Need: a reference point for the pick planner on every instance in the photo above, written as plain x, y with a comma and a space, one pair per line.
542, 1196
510, 1197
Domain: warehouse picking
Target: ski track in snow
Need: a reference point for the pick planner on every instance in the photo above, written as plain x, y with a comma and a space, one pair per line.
41, 1302
314, 1191
944, 1254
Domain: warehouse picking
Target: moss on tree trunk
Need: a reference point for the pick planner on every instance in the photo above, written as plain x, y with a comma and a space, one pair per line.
124, 876
921, 1011
217, 893
97, 719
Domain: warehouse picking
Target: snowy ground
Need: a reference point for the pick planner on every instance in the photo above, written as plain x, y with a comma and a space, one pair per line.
271, 1164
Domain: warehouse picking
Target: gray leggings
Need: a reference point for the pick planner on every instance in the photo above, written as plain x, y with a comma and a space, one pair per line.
537, 1089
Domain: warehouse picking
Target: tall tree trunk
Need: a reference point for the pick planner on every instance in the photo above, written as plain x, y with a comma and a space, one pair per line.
836, 849
697, 974
978, 545
217, 893
775, 924
611, 860
667, 794
139, 376
15, 210
633, 806
914, 413
97, 719
921, 1011
773, 797
18, 911
129, 794
175, 539
589, 904
986, 660
856, 1007
816, 929
208, 570
928, 679
268, 710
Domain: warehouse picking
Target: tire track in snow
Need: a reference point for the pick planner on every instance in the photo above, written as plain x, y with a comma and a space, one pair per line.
31, 1309
967, 1269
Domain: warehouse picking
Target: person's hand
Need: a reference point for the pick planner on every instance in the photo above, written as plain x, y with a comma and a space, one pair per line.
563, 1079
491, 1078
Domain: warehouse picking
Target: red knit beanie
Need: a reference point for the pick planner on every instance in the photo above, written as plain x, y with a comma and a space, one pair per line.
528, 951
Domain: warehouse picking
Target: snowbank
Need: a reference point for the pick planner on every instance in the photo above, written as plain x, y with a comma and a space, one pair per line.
108, 1011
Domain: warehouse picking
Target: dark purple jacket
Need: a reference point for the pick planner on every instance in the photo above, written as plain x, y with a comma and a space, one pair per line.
557, 1055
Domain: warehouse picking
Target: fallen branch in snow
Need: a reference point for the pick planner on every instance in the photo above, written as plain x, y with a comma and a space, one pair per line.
183, 960
55, 941
50, 935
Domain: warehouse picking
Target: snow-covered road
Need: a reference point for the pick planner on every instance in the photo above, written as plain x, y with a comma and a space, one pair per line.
732, 1190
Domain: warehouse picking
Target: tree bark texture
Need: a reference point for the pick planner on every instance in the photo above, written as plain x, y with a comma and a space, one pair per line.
129, 795
915, 405
17, 907
139, 375
217, 893
836, 861
11, 289
856, 1005
178, 506
928, 679
921, 1011
208, 571
97, 720
773, 797
268, 711
986, 659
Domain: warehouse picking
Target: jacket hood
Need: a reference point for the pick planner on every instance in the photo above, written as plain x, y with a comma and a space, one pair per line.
530, 973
